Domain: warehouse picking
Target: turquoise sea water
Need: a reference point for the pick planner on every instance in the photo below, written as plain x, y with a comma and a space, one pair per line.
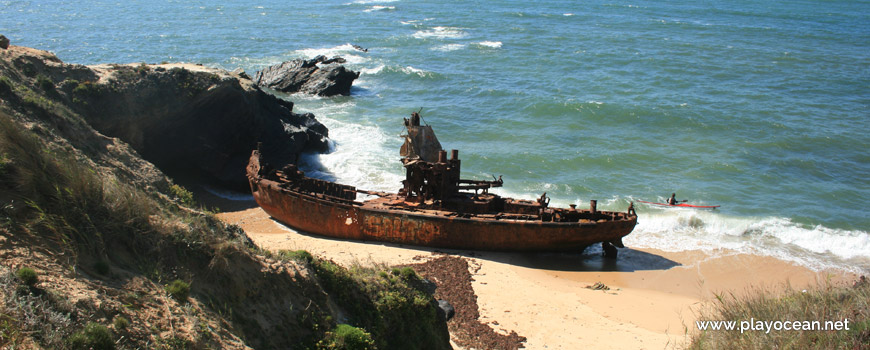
758, 106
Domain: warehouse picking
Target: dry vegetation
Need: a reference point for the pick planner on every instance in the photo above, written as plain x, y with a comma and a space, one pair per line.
827, 303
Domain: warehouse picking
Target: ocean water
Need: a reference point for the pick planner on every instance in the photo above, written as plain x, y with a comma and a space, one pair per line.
758, 106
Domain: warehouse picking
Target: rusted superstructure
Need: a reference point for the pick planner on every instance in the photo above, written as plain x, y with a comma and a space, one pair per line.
434, 208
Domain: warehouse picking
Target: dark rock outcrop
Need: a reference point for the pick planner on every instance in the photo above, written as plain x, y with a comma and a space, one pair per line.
193, 122
4, 42
446, 310
201, 123
317, 76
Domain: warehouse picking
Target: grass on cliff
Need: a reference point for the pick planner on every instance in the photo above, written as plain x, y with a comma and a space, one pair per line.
47, 195
826, 303
55, 196
391, 304
49, 199
27, 311
52, 194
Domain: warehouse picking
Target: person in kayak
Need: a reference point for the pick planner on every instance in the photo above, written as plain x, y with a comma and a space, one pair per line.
673, 199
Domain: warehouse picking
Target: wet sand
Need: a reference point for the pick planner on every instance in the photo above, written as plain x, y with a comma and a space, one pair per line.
651, 303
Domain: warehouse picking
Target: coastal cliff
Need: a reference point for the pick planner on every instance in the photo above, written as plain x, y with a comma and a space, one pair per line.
100, 247
187, 119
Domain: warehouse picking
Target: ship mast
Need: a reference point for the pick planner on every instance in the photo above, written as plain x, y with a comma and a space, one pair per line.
429, 174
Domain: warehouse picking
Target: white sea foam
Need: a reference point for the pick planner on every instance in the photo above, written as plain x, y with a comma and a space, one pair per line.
367, 2
679, 229
358, 158
492, 44
412, 70
255, 62
381, 68
441, 33
685, 229
448, 47
373, 70
379, 8
416, 22
346, 51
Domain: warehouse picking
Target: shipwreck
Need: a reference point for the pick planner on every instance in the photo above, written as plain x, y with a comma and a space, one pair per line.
434, 207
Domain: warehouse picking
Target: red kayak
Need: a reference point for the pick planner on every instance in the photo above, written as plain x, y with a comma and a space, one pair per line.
684, 205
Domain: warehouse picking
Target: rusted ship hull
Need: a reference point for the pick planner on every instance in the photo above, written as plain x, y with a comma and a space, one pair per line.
327, 215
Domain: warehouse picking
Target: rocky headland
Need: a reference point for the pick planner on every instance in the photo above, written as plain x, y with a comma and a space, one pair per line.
187, 119
317, 76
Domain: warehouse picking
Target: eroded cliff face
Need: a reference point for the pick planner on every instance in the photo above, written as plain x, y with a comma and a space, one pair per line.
189, 120
28, 93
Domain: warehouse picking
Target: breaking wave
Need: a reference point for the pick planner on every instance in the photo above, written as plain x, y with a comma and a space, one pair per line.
368, 2
379, 8
346, 51
449, 47
490, 44
358, 158
441, 33
818, 247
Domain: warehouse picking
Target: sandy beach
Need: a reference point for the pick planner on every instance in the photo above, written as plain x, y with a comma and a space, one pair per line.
651, 303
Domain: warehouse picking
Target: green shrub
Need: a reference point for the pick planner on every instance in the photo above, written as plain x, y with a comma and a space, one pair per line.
182, 195
407, 273
27, 276
347, 337
44, 83
176, 342
69, 83
386, 302
121, 323
143, 69
86, 88
298, 255
179, 290
94, 337
6, 85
